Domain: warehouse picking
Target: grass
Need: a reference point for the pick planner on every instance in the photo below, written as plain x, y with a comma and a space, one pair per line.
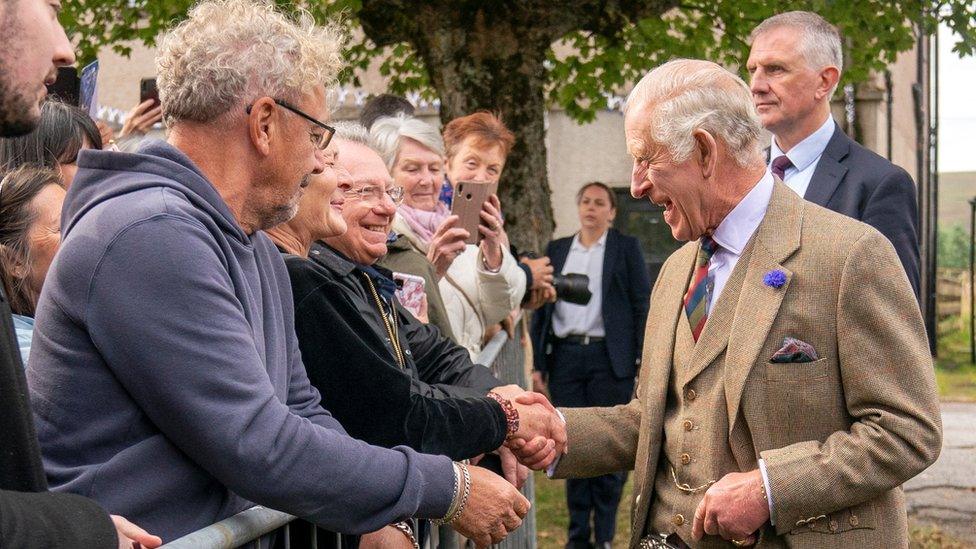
955, 371
552, 518
931, 537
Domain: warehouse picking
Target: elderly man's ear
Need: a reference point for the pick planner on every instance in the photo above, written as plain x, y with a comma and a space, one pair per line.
260, 124
706, 152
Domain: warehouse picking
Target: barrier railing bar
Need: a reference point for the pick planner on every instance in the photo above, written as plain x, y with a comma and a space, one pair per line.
246, 526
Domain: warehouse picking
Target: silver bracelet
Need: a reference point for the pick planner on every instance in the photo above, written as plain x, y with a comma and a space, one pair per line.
460, 500
466, 493
406, 530
455, 501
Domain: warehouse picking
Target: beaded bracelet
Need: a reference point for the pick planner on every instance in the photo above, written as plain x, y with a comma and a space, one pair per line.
406, 530
511, 414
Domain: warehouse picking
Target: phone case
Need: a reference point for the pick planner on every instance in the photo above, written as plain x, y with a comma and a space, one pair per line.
410, 292
468, 198
148, 90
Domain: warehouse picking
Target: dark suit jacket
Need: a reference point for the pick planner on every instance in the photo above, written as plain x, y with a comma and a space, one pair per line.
626, 293
852, 180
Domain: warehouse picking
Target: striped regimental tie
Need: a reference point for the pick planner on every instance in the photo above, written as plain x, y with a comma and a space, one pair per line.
696, 300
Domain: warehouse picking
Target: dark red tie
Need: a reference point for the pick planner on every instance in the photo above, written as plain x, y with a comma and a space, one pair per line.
780, 165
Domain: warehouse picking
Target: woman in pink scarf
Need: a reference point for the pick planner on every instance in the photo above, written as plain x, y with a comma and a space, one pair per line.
477, 283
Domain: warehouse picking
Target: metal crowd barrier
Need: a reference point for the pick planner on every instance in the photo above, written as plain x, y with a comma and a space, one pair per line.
506, 359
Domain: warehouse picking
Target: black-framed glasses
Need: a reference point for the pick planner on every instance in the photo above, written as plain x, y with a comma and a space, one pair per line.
321, 141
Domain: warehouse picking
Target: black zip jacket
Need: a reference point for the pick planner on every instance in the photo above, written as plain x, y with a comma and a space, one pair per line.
434, 402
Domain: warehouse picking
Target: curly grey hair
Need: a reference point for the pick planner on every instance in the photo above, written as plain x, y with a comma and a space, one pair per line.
228, 52
685, 95
388, 133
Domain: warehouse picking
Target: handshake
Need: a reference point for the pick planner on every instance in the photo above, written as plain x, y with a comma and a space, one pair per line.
494, 506
540, 437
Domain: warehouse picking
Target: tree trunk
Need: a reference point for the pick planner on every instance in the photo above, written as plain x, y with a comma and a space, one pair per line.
487, 59
519, 99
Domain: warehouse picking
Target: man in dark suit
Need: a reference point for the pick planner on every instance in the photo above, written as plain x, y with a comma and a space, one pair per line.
795, 63
591, 352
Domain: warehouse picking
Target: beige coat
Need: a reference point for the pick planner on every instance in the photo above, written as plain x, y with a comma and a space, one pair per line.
838, 435
477, 298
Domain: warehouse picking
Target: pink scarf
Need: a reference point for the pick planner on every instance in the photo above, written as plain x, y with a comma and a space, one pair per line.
423, 222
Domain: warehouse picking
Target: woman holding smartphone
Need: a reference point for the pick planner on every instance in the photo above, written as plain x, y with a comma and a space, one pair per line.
478, 283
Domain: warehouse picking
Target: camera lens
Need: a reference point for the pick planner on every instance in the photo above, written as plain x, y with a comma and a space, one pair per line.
572, 288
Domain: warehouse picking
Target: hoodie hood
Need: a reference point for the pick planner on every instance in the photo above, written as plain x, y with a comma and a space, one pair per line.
104, 175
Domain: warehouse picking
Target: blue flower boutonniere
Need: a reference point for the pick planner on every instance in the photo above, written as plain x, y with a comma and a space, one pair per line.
775, 279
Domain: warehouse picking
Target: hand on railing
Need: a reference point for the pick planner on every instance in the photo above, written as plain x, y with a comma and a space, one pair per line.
131, 536
494, 509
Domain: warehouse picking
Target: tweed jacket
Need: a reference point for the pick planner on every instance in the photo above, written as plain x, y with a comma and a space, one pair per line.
839, 435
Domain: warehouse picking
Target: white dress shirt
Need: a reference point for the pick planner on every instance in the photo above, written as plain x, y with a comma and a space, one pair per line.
734, 232
805, 156
572, 319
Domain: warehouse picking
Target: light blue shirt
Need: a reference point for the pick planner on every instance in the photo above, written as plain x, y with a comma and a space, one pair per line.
805, 156
24, 326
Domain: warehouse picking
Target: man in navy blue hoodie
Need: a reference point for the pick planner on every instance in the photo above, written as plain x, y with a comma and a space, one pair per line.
166, 376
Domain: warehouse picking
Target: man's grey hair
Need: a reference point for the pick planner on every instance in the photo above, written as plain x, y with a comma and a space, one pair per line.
685, 95
389, 132
348, 130
230, 52
820, 44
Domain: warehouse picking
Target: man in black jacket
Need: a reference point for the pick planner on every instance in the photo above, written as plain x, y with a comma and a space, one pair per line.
30, 516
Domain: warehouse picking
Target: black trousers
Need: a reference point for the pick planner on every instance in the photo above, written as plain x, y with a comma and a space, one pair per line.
581, 375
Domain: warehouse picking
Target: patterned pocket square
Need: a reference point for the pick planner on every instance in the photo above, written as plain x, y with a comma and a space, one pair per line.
794, 351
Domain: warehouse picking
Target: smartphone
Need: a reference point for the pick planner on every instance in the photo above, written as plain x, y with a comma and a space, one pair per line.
410, 292
88, 93
148, 90
468, 199
67, 87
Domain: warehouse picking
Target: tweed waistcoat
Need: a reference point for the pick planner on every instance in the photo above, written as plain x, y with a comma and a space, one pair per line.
696, 449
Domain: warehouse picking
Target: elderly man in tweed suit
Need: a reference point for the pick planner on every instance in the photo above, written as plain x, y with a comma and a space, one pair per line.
786, 390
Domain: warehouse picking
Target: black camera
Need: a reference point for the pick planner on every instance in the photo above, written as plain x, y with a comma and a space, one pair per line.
572, 288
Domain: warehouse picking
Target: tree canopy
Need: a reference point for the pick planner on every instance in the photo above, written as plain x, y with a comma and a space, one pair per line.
520, 57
